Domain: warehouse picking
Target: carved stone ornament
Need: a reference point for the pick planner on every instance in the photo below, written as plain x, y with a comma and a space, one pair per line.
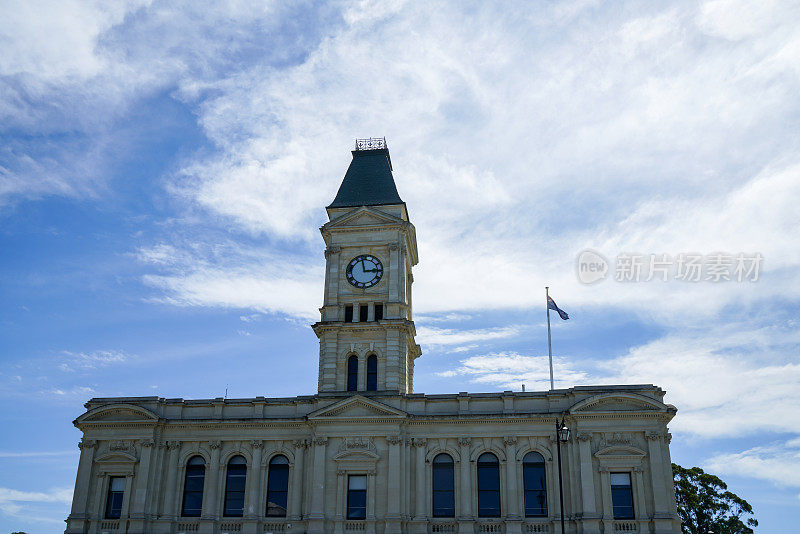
510, 440
394, 440
394, 246
173, 445
87, 444
668, 437
331, 250
617, 438
358, 444
215, 444
654, 436
256, 443
300, 443
118, 445
419, 442
584, 436
147, 443
465, 442
320, 441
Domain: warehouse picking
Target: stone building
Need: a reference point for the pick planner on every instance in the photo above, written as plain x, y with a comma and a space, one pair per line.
366, 453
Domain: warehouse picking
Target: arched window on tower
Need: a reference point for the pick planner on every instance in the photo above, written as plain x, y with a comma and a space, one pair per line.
533, 478
488, 485
277, 486
444, 501
235, 482
352, 373
372, 373
193, 487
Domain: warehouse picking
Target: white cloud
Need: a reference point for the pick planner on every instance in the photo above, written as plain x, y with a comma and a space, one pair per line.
92, 360
511, 370
13, 502
448, 336
778, 463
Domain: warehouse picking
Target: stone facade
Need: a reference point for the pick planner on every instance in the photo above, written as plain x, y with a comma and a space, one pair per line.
366, 423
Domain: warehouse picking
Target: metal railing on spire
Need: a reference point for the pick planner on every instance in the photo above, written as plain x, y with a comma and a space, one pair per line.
371, 143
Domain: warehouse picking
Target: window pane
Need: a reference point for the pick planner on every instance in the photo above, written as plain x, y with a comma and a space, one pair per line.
352, 373
192, 504
363, 312
356, 497
372, 373
357, 482
443, 486
488, 486
116, 491
235, 482
277, 487
535, 488
378, 312
622, 495
620, 479
348, 314
117, 484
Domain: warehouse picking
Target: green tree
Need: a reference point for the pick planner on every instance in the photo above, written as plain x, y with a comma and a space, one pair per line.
705, 504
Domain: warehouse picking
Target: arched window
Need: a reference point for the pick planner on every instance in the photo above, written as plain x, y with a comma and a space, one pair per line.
193, 487
352, 373
372, 373
533, 479
277, 486
444, 501
488, 485
234, 487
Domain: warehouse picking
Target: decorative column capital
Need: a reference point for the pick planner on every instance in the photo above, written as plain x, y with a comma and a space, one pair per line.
638, 470
584, 436
394, 440
320, 441
300, 443
510, 440
603, 469
215, 444
87, 444
256, 443
394, 246
172, 445
331, 250
419, 442
668, 437
147, 443
465, 442
654, 436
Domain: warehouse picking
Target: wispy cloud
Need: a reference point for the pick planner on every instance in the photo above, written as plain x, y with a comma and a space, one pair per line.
8, 454
451, 336
92, 360
778, 463
13, 502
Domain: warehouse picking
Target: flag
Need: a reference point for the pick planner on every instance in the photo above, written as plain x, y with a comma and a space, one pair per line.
551, 304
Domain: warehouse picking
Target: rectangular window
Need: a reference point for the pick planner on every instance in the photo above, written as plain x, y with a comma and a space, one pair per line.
348, 313
356, 497
363, 313
378, 311
116, 490
622, 495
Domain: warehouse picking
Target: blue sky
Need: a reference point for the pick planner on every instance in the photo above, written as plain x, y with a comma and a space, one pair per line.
164, 168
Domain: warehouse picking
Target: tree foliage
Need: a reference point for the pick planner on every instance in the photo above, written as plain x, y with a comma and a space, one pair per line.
705, 504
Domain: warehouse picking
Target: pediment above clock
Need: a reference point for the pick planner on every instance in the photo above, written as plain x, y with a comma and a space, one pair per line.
357, 407
117, 413
364, 216
618, 402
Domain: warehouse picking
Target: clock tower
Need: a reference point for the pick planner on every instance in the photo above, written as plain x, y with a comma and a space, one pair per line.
366, 329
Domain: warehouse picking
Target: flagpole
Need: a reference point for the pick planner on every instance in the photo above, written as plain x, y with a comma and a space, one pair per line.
549, 345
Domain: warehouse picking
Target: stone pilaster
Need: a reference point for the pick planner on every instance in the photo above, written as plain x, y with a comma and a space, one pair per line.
393, 518
465, 517
295, 512
316, 516
173, 468
210, 500
591, 519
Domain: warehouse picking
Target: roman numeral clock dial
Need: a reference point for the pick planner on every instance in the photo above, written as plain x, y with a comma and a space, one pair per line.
364, 271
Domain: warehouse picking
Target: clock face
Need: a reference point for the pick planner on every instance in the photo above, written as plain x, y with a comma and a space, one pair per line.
364, 271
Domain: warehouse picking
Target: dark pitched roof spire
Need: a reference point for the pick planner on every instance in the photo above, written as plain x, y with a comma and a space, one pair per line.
369, 180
